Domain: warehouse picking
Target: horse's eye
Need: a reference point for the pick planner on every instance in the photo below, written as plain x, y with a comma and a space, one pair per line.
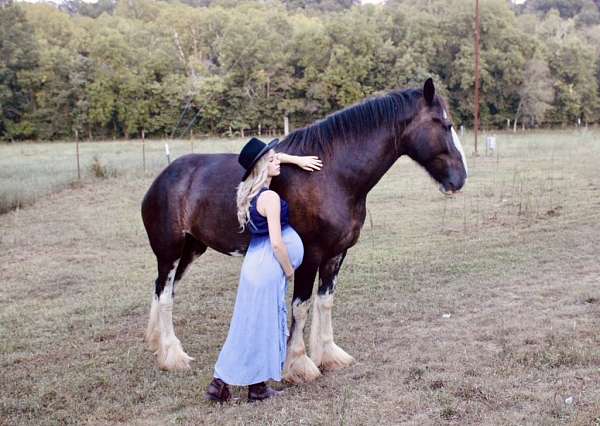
446, 124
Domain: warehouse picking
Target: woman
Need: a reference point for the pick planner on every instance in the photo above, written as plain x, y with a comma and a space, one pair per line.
255, 349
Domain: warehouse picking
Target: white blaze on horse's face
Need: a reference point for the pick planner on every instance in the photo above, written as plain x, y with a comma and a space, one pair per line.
458, 146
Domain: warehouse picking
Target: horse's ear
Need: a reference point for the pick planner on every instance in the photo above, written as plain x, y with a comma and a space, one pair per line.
429, 91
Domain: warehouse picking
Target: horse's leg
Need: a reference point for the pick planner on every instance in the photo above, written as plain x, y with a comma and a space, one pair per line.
160, 333
299, 368
323, 351
152, 335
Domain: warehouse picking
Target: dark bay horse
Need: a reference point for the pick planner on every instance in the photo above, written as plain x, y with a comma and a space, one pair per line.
191, 206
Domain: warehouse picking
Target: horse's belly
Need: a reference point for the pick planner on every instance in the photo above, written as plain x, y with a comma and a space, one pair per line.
230, 243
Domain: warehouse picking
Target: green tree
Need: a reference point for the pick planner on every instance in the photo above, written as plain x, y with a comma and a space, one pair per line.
504, 49
19, 53
54, 91
117, 68
573, 63
536, 93
92, 10
566, 8
321, 5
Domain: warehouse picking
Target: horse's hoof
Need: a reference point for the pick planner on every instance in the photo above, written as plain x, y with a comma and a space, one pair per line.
301, 370
172, 357
333, 358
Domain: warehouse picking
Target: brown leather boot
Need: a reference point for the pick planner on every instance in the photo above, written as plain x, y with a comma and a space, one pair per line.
218, 391
260, 391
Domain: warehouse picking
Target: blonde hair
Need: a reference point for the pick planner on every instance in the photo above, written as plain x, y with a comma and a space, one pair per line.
248, 189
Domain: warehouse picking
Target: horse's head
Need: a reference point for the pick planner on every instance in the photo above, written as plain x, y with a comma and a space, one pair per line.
431, 141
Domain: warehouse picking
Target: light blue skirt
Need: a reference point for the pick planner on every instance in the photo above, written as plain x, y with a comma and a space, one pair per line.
256, 344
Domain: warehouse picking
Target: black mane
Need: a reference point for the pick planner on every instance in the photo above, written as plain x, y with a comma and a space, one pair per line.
387, 112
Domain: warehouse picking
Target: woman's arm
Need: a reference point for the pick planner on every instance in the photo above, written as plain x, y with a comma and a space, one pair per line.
309, 162
269, 205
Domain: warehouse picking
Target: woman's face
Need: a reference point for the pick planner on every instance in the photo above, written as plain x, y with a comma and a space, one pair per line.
272, 164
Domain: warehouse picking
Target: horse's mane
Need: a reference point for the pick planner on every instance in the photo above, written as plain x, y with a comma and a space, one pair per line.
387, 112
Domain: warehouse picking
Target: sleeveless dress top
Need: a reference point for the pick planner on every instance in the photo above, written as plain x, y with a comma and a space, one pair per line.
256, 345
258, 225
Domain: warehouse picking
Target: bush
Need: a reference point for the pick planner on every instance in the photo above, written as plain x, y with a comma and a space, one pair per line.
8, 203
100, 170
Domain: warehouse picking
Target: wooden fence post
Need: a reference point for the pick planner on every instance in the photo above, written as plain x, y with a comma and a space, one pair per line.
144, 150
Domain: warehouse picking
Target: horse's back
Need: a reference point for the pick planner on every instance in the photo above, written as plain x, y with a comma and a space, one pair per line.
194, 193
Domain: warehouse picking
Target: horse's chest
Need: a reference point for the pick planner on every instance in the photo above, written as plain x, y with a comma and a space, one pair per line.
346, 231
352, 233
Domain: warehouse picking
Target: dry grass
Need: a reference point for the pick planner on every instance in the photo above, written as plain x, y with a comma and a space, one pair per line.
477, 309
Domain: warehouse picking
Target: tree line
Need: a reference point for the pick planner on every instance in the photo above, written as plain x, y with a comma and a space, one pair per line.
120, 69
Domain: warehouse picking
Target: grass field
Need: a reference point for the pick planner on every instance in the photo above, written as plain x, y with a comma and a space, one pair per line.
29, 171
483, 308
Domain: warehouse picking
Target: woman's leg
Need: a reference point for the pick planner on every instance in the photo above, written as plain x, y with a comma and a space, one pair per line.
260, 391
218, 391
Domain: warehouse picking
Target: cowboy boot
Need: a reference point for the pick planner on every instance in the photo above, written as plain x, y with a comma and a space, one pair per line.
218, 391
260, 391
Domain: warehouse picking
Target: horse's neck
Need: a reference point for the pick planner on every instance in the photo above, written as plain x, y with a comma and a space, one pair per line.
363, 163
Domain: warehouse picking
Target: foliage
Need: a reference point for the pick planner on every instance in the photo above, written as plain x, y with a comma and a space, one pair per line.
100, 170
19, 59
115, 69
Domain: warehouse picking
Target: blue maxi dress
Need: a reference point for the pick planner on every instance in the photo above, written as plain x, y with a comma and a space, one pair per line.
256, 344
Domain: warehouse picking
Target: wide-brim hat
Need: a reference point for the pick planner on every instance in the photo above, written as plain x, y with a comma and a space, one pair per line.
252, 152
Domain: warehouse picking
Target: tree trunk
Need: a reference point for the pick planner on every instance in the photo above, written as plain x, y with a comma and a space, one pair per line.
517, 117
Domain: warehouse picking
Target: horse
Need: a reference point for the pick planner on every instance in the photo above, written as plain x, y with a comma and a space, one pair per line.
191, 206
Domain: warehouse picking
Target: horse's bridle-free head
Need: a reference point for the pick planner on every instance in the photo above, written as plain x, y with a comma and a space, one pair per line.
431, 141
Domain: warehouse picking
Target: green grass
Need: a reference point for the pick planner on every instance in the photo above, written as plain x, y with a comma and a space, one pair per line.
30, 171
513, 260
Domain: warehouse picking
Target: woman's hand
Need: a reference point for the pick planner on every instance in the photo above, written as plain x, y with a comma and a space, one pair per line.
289, 278
309, 163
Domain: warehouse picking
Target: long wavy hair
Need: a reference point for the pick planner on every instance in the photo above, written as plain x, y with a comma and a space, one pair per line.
248, 189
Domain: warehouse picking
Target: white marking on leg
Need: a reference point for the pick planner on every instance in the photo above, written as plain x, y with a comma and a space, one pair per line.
316, 348
236, 253
323, 351
170, 353
153, 330
299, 368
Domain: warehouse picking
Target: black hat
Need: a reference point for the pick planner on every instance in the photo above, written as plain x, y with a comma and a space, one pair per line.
251, 153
